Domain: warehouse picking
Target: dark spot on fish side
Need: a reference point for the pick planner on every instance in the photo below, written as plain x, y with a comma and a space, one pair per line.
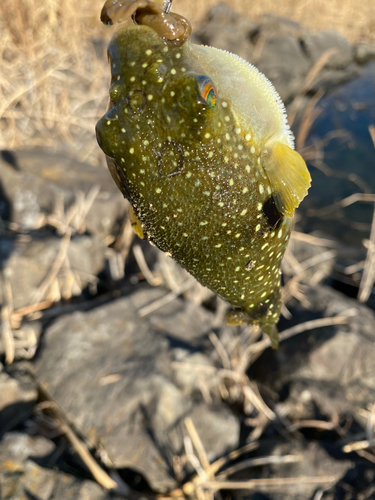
136, 101
273, 216
170, 159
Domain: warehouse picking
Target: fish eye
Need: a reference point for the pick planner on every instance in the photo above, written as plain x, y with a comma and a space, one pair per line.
207, 90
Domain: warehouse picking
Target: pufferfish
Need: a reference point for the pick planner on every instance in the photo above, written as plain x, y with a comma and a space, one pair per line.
197, 140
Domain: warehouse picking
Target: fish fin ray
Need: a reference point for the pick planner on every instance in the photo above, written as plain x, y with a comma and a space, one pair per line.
288, 176
135, 222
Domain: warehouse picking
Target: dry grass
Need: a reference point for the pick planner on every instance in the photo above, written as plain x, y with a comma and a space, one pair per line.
52, 85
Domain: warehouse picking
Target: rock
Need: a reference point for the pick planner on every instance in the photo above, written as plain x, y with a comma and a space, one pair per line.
330, 78
218, 421
33, 181
17, 399
281, 59
114, 374
21, 477
277, 26
329, 370
312, 460
364, 52
226, 29
318, 44
29, 259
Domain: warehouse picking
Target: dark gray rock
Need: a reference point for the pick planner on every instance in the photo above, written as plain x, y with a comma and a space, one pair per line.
277, 26
311, 460
317, 45
33, 180
226, 29
329, 370
27, 259
21, 478
17, 398
114, 374
364, 52
329, 78
281, 59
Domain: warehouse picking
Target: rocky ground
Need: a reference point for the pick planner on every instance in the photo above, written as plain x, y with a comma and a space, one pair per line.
118, 375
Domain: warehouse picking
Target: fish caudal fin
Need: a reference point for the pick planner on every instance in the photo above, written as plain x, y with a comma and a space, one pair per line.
273, 333
288, 176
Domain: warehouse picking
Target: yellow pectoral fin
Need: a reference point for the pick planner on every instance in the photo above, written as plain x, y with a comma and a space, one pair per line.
288, 176
135, 222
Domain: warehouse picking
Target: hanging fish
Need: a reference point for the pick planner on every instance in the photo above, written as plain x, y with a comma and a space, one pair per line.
197, 140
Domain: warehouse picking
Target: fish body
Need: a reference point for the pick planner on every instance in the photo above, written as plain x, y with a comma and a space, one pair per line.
197, 140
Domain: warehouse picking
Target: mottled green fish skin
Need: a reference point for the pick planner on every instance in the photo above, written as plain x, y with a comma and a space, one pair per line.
193, 175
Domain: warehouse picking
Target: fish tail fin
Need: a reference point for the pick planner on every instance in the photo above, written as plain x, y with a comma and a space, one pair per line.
273, 333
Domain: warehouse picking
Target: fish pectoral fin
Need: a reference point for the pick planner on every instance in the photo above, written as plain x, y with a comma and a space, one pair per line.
136, 223
288, 176
237, 318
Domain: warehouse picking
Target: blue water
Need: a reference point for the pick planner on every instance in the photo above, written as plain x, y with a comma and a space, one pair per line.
348, 111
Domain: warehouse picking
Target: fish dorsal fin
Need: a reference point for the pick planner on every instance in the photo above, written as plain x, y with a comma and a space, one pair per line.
288, 176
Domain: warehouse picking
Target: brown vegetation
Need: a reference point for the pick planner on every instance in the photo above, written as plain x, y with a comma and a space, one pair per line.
53, 87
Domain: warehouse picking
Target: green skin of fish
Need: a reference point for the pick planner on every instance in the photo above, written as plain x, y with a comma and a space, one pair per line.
193, 178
